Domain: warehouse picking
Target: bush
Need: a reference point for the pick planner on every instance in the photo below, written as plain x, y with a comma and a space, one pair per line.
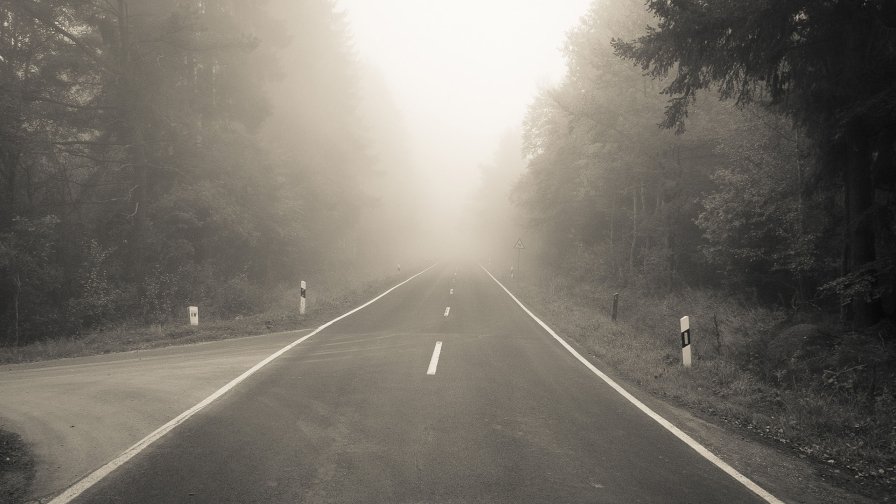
238, 297
98, 300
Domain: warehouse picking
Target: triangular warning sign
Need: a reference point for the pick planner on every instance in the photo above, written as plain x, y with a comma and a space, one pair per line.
519, 244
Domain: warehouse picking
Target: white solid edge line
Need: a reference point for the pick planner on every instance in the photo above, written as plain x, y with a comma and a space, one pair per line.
434, 361
92, 478
688, 440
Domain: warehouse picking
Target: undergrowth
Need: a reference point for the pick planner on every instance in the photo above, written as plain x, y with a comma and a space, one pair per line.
16, 468
825, 393
281, 313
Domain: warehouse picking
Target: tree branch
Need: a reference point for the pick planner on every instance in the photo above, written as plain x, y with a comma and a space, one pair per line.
33, 10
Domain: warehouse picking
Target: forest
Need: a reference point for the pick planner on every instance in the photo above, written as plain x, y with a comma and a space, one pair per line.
724, 147
160, 154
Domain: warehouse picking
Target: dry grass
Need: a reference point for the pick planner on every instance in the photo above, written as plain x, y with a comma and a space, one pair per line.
840, 424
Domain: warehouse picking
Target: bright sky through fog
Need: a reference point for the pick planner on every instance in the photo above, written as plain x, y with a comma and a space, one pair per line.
462, 72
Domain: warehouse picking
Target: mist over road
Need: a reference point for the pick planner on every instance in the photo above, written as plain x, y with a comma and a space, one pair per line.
360, 413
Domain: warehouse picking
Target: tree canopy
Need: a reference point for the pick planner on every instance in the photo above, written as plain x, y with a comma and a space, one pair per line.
830, 67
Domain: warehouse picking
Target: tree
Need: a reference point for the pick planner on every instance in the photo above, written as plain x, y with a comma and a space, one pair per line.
760, 227
830, 66
177, 171
604, 182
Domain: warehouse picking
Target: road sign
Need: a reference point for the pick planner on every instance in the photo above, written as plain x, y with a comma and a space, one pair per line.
519, 248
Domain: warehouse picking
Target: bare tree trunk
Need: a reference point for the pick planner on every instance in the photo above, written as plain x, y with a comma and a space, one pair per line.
132, 137
859, 196
631, 252
646, 245
614, 267
18, 282
612, 222
800, 287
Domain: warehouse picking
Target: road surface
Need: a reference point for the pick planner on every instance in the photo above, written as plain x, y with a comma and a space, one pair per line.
78, 413
442, 391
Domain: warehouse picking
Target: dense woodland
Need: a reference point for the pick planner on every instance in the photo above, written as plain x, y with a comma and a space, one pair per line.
746, 147
173, 152
159, 154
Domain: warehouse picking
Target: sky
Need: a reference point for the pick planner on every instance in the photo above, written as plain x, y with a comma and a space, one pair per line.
462, 73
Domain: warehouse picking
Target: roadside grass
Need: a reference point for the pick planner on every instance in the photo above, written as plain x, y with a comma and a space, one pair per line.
325, 300
16, 468
820, 402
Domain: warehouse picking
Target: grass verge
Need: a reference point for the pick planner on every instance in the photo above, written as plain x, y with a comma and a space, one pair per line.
283, 315
754, 369
16, 468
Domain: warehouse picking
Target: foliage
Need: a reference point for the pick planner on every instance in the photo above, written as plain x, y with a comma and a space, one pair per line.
29, 276
748, 197
761, 227
600, 174
97, 299
144, 166
829, 66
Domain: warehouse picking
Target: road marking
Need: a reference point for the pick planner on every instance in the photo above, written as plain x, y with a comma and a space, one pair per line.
447, 309
91, 479
434, 362
688, 440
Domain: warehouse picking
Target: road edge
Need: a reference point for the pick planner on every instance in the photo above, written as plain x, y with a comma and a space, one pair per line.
91, 479
681, 435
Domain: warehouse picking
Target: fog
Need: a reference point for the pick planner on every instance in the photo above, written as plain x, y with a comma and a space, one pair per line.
172, 148
461, 75
624, 168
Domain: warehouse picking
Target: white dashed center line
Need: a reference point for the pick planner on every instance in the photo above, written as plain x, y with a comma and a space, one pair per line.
434, 362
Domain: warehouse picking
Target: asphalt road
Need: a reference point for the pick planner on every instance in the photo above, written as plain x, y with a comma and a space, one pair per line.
79, 413
352, 415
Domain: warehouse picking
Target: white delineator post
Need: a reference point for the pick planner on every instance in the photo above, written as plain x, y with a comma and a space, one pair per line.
302, 299
686, 341
194, 315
